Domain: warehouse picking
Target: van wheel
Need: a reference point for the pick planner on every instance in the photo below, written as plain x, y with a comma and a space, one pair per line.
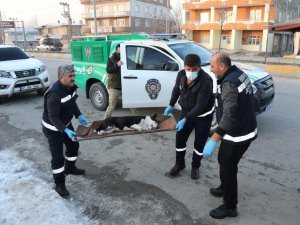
214, 125
99, 96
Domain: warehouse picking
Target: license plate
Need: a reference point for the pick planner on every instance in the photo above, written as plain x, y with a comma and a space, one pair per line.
29, 87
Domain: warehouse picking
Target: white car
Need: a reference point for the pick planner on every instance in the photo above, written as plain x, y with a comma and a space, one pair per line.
20, 73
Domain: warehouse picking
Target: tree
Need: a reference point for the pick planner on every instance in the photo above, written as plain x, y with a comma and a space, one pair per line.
176, 18
223, 15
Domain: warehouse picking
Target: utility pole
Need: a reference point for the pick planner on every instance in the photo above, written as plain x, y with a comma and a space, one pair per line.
269, 9
167, 18
15, 33
24, 35
66, 14
2, 29
95, 18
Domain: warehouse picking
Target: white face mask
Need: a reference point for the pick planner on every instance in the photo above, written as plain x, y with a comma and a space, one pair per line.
191, 75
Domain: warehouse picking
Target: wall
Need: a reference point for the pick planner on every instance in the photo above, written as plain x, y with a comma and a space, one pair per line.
296, 42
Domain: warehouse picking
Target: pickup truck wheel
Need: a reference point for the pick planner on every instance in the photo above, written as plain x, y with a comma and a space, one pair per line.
99, 96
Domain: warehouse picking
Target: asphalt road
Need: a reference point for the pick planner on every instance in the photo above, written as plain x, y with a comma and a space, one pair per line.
126, 181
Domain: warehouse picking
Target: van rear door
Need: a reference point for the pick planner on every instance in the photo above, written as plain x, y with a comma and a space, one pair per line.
148, 76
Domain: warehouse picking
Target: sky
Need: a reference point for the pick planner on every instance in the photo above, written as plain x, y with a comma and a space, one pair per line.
41, 12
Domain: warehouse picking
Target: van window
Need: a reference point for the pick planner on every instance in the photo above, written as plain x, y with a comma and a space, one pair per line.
143, 58
184, 49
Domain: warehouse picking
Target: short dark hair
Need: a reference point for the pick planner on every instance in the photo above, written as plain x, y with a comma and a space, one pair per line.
118, 46
223, 58
192, 60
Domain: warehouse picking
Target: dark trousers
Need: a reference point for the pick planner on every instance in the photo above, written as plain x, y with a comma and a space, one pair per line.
202, 129
56, 140
228, 157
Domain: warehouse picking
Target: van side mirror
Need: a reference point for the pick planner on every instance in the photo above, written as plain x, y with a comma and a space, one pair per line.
171, 66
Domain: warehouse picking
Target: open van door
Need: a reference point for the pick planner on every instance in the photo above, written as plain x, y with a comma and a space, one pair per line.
148, 76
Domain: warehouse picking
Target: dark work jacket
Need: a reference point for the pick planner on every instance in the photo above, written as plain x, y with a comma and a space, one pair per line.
196, 99
60, 106
234, 109
114, 72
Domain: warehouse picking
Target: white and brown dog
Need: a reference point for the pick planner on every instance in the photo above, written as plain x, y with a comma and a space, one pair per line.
139, 123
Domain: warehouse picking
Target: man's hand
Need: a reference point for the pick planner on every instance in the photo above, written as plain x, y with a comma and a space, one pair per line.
180, 125
82, 120
209, 148
120, 63
71, 134
168, 111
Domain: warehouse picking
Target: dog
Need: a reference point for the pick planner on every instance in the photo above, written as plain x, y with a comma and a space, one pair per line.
138, 123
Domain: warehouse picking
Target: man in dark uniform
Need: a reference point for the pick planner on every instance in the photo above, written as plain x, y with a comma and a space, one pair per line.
59, 108
194, 88
113, 69
236, 129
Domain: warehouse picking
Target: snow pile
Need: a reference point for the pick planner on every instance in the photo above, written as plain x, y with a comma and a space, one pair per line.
25, 199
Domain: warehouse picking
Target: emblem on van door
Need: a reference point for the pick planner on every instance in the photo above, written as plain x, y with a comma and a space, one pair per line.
89, 70
87, 52
153, 88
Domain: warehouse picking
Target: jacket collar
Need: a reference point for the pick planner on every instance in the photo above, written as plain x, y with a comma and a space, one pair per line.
232, 68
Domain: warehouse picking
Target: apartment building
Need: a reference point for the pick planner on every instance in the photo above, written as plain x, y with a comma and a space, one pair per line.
286, 30
245, 23
126, 16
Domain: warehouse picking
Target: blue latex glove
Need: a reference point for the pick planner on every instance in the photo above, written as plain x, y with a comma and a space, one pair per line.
180, 125
71, 134
168, 111
82, 120
209, 148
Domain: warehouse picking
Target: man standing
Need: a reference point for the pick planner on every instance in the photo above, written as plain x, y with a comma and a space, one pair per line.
236, 130
113, 69
194, 88
59, 108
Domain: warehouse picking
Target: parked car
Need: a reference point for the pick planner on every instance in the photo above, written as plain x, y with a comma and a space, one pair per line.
49, 44
20, 73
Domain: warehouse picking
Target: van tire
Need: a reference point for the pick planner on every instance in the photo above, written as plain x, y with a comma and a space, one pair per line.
99, 96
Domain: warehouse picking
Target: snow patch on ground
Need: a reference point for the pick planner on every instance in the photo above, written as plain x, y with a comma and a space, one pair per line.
25, 199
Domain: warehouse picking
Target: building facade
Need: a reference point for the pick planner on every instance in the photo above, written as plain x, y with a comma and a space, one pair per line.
229, 24
25, 39
126, 16
59, 30
286, 30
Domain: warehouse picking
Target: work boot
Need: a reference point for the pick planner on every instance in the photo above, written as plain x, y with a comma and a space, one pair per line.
195, 173
176, 169
222, 211
217, 192
61, 190
74, 170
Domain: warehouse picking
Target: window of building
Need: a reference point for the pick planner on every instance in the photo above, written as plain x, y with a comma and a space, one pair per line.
253, 40
146, 11
115, 23
204, 17
137, 9
155, 12
137, 22
161, 13
120, 8
105, 23
121, 22
147, 23
105, 8
255, 14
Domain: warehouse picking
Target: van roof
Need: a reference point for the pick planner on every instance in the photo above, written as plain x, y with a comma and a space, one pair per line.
110, 37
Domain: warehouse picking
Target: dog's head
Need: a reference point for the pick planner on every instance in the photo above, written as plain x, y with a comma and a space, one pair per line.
150, 122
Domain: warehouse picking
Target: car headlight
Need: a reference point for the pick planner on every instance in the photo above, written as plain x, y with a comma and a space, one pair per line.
5, 74
254, 88
42, 68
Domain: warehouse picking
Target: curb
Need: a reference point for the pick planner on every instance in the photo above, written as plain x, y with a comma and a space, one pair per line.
291, 56
51, 55
286, 71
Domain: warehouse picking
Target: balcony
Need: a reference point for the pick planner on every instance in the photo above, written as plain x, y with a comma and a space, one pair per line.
106, 14
245, 24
